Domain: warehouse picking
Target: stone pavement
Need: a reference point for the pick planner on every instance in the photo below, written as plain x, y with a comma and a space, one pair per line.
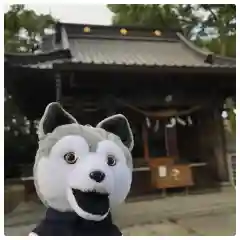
205, 214
216, 224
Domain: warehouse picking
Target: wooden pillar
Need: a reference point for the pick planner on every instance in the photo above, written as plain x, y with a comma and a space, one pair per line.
212, 147
32, 128
171, 141
145, 142
110, 105
58, 87
219, 145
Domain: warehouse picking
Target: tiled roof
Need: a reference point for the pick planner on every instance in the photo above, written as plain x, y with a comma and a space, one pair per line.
128, 52
105, 45
33, 59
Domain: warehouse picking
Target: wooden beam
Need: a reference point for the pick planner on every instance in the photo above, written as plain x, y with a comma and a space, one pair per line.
58, 87
79, 104
172, 113
146, 101
147, 98
171, 142
162, 113
145, 142
109, 104
219, 144
70, 66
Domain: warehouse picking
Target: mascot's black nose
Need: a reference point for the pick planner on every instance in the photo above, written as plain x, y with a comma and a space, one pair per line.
97, 176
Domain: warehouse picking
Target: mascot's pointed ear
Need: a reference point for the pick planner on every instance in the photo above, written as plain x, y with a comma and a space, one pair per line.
53, 117
119, 125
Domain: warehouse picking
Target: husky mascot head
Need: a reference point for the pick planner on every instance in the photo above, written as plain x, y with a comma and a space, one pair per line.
83, 169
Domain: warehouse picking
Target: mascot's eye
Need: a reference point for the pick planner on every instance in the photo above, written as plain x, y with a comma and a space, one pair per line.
70, 157
111, 160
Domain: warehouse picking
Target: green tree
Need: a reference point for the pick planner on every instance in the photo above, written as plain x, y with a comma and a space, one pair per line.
17, 139
210, 25
230, 106
221, 19
214, 45
152, 15
23, 28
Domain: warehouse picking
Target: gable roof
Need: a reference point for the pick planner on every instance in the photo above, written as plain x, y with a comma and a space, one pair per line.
117, 45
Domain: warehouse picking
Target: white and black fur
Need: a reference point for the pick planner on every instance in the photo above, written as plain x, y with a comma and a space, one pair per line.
81, 172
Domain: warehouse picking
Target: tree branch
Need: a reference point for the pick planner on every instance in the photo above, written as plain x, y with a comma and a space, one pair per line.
207, 7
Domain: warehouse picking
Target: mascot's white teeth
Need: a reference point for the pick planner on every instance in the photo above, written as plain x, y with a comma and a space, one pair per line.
91, 201
92, 191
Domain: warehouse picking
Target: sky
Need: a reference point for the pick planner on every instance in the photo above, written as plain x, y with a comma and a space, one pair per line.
74, 13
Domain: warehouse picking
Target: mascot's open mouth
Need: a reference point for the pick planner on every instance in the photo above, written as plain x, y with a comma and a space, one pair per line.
92, 202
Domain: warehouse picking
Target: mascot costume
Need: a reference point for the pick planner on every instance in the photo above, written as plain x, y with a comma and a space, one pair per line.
81, 173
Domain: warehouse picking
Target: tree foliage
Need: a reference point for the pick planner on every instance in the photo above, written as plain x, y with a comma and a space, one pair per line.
212, 26
23, 28
151, 15
19, 142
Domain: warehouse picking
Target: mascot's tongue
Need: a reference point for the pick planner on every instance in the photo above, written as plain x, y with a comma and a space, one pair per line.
92, 202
